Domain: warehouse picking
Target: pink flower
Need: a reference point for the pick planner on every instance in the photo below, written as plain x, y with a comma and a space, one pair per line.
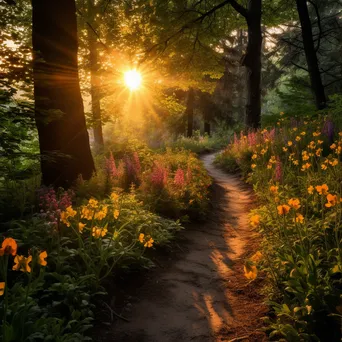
278, 170
179, 179
159, 176
111, 167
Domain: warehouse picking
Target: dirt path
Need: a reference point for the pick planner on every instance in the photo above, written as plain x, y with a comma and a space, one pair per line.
201, 294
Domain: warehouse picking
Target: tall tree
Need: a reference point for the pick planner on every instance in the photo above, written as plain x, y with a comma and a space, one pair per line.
310, 54
92, 11
189, 112
59, 112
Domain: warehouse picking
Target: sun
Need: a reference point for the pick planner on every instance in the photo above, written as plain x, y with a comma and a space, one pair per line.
132, 79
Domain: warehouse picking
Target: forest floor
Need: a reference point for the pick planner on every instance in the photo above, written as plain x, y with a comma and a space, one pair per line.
199, 292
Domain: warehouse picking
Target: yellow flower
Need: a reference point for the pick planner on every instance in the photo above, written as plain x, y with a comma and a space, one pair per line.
289, 143
285, 149
116, 234
22, 263
273, 160
269, 166
114, 197
294, 129
283, 209
332, 200
305, 166
294, 203
310, 189
316, 134
312, 145
263, 151
93, 203
101, 214
322, 189
298, 138
250, 271
274, 189
2, 288
149, 243
333, 146
64, 216
255, 220
295, 162
97, 232
141, 237
319, 152
324, 167
81, 227
281, 113
41, 258
303, 133
9, 246
70, 212
254, 156
87, 213
256, 257
320, 142
334, 162
299, 218
305, 156
253, 166
116, 214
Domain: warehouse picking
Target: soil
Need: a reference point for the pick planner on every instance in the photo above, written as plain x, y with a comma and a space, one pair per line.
198, 292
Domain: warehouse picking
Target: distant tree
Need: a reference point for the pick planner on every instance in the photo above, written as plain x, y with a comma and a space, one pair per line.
59, 113
310, 54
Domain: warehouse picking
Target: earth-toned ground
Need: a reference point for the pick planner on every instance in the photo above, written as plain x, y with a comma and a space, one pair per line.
199, 292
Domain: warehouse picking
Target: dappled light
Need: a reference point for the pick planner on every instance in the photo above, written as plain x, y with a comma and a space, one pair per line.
170, 170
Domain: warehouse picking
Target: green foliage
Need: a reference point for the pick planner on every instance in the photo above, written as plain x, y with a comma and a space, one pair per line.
296, 174
199, 143
56, 302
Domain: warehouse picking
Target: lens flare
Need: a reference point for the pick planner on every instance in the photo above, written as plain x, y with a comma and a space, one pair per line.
132, 79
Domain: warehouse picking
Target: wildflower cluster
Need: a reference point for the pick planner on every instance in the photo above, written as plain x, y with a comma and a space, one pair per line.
297, 176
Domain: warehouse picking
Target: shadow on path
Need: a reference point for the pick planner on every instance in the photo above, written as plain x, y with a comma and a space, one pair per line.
203, 295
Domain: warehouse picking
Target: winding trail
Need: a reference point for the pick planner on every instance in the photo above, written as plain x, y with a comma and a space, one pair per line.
200, 294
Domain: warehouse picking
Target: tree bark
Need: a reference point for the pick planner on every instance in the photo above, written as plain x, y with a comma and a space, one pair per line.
189, 112
95, 81
310, 54
252, 62
59, 112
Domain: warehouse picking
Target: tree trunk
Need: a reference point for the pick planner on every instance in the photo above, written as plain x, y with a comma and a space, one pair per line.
95, 82
310, 54
252, 62
59, 112
207, 127
189, 112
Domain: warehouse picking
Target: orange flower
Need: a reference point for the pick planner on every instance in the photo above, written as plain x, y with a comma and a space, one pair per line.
42, 257
2, 288
98, 232
256, 257
149, 243
294, 203
141, 237
274, 189
255, 220
299, 218
81, 227
9, 246
22, 263
283, 209
332, 200
250, 271
310, 189
322, 189
116, 214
